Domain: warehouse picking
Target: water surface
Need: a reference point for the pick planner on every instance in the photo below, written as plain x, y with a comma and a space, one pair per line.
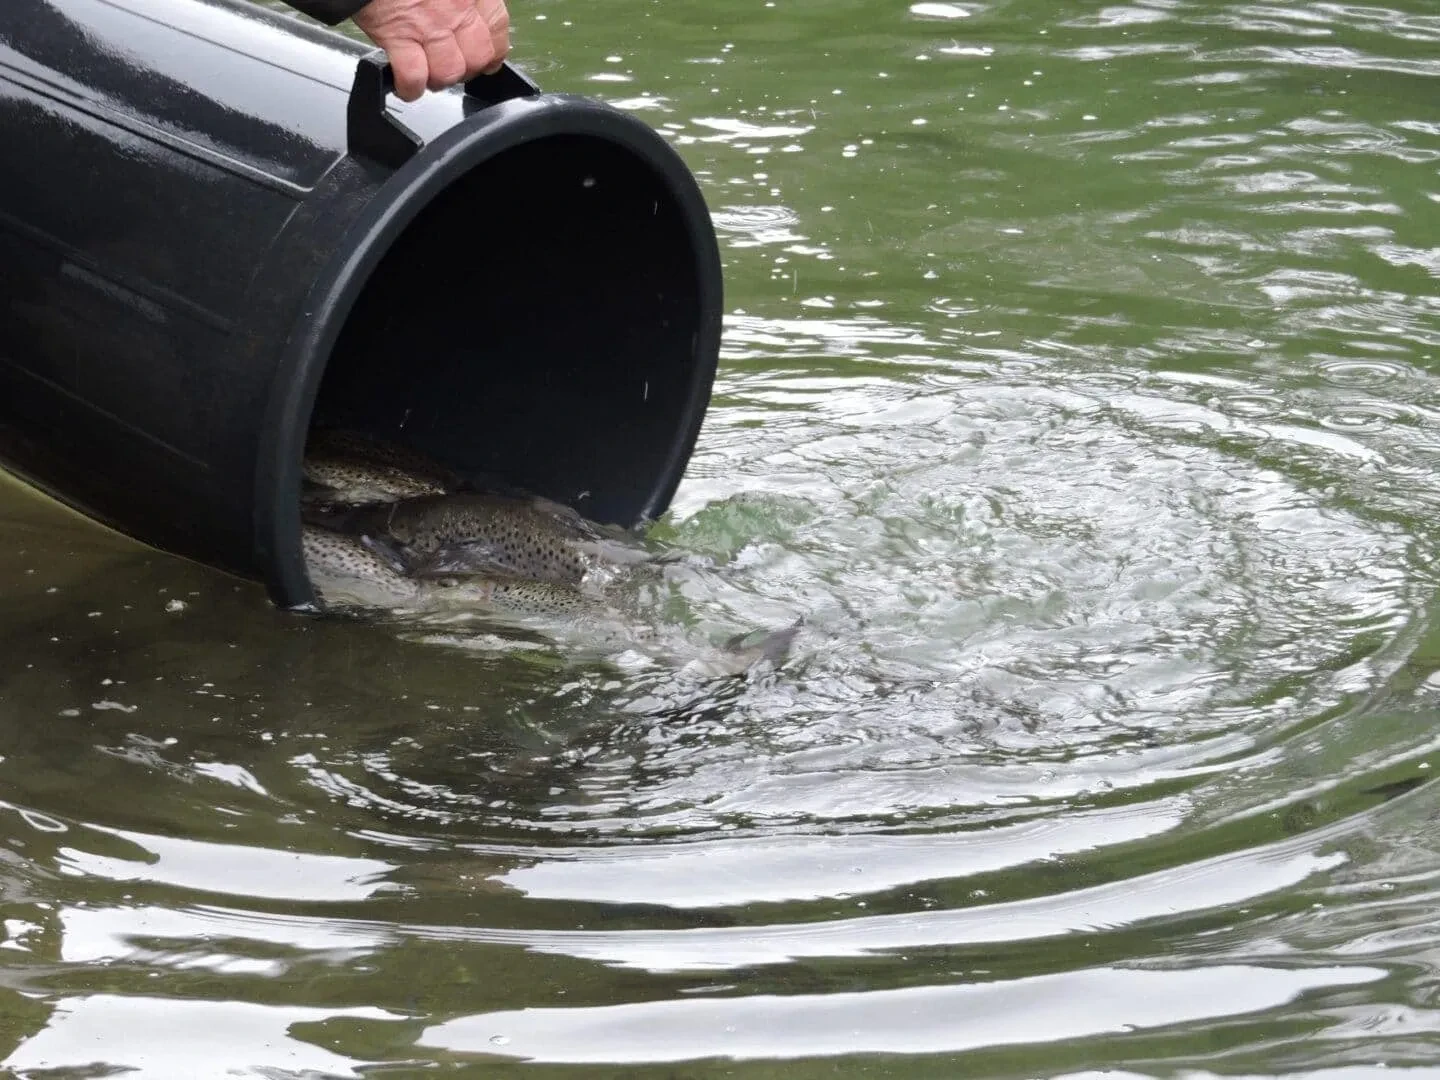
1079, 388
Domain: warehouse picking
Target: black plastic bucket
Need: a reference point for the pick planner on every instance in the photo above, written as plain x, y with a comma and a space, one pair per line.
216, 232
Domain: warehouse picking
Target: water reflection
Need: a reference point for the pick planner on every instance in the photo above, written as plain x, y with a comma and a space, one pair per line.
1092, 425
913, 1020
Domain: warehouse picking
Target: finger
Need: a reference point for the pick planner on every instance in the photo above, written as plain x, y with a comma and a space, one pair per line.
447, 62
497, 18
476, 46
407, 61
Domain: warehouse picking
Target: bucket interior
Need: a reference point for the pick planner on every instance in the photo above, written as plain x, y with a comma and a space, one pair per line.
538, 323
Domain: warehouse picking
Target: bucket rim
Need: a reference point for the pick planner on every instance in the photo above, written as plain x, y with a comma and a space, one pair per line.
485, 133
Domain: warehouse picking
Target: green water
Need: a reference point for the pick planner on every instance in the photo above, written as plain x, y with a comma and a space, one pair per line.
1079, 386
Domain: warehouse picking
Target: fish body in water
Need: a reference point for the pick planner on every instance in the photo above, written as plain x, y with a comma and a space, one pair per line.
349, 469
483, 533
345, 572
389, 532
359, 573
443, 525
581, 623
338, 480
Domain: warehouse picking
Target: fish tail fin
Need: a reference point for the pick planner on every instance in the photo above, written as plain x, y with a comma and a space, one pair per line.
615, 551
385, 550
466, 557
773, 648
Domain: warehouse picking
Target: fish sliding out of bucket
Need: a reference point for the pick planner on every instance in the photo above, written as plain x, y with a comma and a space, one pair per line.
219, 230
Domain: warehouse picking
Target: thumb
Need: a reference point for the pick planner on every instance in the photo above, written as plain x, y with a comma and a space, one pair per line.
412, 69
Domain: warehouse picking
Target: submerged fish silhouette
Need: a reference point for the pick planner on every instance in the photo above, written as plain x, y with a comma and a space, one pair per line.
363, 573
484, 533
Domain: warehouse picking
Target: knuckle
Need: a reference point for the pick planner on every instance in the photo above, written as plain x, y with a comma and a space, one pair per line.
448, 71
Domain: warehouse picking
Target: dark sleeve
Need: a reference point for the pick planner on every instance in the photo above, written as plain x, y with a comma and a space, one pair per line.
330, 12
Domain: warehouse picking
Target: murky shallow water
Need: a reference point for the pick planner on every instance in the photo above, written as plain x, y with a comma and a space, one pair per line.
1079, 389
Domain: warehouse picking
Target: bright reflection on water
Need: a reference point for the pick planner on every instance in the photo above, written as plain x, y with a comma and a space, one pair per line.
1079, 391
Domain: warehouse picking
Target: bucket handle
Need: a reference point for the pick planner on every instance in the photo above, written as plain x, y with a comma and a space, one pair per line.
373, 132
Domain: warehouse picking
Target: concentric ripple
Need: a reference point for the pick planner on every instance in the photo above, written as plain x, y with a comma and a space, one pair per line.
1012, 593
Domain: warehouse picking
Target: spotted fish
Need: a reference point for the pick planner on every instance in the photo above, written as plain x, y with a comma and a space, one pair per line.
349, 571
360, 573
483, 533
345, 572
346, 468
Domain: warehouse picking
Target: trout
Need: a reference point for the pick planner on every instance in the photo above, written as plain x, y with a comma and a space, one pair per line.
348, 469
345, 572
483, 533
362, 574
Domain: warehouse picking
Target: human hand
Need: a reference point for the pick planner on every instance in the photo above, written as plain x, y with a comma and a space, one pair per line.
437, 43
